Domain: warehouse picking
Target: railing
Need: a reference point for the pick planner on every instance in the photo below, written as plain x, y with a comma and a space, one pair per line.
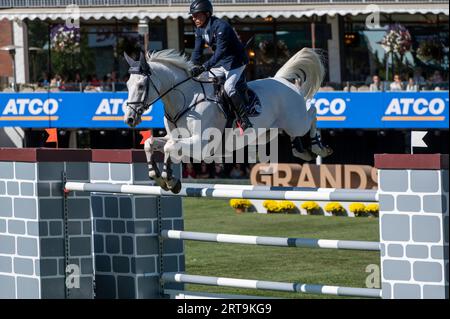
121, 87
361, 86
66, 87
94, 3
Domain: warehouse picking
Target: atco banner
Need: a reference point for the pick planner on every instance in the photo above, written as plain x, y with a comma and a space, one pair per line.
72, 110
381, 109
371, 110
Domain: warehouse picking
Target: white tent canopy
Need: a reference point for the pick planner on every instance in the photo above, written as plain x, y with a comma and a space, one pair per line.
240, 11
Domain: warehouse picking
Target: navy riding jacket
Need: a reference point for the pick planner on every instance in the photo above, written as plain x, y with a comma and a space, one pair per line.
229, 52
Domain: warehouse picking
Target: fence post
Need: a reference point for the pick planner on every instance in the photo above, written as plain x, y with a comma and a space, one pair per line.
413, 198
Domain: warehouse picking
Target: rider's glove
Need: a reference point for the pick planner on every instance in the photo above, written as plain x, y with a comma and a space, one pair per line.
197, 70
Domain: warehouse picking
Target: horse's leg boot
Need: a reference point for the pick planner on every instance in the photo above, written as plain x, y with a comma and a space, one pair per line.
239, 107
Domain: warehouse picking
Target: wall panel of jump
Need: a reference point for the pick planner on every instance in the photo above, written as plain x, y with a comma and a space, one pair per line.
89, 246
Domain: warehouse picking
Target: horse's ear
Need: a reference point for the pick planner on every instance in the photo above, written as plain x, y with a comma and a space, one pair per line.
129, 60
143, 63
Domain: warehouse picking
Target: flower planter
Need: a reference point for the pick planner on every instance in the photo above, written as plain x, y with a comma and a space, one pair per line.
338, 213
240, 205
361, 214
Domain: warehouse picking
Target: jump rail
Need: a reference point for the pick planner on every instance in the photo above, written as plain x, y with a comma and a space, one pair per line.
274, 188
187, 294
271, 241
271, 285
210, 191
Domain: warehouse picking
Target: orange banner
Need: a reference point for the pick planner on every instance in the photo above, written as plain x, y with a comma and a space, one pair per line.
145, 135
52, 135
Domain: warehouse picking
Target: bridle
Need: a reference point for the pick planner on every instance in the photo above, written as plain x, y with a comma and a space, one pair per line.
134, 105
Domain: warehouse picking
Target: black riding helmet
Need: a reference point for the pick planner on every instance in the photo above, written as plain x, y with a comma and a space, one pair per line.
201, 6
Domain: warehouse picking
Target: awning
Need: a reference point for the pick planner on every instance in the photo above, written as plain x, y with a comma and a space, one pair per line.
239, 11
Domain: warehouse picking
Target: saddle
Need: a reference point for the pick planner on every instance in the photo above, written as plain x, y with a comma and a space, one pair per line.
252, 102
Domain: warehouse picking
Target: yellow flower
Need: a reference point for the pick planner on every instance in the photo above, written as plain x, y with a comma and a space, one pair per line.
372, 209
240, 203
310, 206
286, 205
334, 208
271, 206
357, 208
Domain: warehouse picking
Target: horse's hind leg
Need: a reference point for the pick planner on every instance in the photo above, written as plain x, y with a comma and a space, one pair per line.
316, 143
299, 150
152, 145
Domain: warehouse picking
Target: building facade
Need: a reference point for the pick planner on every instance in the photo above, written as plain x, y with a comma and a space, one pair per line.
349, 32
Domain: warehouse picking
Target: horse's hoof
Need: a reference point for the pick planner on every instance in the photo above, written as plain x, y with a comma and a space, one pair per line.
177, 188
161, 183
174, 185
323, 151
306, 155
164, 187
153, 175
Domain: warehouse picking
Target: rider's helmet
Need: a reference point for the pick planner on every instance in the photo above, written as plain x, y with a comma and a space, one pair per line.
201, 6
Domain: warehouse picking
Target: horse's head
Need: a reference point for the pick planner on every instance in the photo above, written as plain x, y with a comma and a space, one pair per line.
142, 90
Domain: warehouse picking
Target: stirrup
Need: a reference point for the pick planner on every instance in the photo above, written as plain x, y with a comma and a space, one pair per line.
317, 140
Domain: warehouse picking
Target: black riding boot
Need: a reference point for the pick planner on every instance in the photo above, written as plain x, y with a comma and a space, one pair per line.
238, 102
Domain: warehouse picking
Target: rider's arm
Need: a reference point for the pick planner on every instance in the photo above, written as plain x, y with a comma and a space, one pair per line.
198, 49
221, 45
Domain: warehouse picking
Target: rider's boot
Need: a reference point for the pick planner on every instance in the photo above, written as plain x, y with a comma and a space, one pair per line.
238, 101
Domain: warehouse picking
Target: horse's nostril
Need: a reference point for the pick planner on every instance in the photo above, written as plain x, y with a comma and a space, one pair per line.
130, 121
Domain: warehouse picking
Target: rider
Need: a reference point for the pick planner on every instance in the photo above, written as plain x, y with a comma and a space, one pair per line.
229, 58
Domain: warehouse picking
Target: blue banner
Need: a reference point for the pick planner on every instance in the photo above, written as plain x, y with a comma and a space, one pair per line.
72, 110
365, 110
381, 109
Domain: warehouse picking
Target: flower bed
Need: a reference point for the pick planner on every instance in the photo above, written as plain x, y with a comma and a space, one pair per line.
284, 206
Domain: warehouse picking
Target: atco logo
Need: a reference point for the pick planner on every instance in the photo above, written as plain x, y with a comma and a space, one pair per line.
30, 110
420, 109
329, 110
114, 110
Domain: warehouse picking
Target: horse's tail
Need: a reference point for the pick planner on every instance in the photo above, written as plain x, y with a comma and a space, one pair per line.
306, 66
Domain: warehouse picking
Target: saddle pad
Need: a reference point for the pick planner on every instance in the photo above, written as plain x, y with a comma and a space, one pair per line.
253, 108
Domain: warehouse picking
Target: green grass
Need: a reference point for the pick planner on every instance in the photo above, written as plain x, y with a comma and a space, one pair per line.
305, 265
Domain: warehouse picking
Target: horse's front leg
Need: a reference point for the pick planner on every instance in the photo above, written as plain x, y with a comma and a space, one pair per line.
179, 150
151, 146
173, 183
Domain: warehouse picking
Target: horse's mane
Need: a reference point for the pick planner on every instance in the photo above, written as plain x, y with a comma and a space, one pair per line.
170, 56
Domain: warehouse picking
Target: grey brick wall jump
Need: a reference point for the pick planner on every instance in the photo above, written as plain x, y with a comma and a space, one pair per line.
413, 217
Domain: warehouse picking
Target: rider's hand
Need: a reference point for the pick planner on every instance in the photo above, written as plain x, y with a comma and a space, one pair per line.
197, 70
